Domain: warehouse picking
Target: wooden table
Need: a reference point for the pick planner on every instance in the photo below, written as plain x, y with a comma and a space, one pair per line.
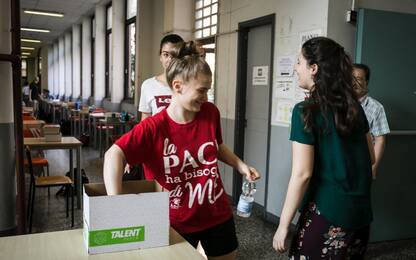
70, 143
65, 245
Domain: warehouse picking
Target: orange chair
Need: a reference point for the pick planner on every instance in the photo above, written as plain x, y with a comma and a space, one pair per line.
27, 133
41, 163
29, 118
46, 182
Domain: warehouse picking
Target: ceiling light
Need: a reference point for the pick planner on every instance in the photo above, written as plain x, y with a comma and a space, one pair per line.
35, 30
25, 53
24, 57
38, 12
28, 48
30, 40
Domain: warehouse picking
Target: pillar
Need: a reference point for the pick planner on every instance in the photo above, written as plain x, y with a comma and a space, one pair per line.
68, 65
76, 61
99, 63
86, 59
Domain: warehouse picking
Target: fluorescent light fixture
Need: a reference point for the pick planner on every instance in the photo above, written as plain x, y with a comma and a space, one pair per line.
24, 57
25, 53
30, 40
35, 30
28, 48
46, 13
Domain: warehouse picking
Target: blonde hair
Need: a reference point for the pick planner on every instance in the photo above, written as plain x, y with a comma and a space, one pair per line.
187, 63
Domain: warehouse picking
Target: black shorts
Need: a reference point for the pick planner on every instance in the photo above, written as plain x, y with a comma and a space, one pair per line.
216, 241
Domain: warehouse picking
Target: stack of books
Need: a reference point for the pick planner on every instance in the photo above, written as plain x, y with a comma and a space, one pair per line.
52, 133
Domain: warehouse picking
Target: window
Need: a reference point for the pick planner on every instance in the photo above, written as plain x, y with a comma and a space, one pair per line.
206, 21
108, 54
109, 17
130, 49
206, 18
210, 59
24, 68
39, 65
131, 9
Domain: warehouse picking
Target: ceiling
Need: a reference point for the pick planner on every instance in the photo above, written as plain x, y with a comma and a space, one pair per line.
73, 10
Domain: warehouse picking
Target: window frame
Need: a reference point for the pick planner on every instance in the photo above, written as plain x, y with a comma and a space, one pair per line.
92, 54
128, 22
107, 52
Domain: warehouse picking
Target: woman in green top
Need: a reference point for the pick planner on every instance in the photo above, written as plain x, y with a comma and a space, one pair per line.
332, 158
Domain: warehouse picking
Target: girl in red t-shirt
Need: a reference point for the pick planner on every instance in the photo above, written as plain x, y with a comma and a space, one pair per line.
180, 148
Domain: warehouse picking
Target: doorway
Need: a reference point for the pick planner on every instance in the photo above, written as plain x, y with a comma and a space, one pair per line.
253, 101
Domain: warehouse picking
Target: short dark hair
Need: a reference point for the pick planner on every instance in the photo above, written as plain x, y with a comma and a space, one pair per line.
363, 67
170, 38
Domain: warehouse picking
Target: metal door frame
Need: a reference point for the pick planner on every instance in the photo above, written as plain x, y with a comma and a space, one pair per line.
240, 100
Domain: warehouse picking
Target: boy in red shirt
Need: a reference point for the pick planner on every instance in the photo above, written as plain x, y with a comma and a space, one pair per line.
180, 148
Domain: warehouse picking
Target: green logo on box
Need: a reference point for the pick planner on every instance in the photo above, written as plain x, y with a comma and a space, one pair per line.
116, 236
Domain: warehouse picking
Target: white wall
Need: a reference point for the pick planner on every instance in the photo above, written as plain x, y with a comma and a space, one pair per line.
338, 28
292, 18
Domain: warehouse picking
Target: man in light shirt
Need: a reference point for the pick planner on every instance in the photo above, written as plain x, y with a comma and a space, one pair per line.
374, 112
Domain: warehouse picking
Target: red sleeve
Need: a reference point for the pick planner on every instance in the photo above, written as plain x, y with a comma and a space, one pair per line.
135, 144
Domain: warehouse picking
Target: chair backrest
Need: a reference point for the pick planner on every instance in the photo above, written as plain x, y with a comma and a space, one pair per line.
29, 162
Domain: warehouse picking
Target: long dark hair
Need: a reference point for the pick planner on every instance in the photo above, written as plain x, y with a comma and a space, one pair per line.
333, 88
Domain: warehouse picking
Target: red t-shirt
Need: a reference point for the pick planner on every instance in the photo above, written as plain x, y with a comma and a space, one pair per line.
183, 158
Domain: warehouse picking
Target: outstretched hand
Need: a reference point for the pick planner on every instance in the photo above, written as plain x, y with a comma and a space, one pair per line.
250, 173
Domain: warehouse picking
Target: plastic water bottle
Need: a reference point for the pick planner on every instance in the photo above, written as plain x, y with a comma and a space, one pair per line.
245, 204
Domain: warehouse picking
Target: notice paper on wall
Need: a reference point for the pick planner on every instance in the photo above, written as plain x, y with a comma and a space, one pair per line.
260, 76
284, 88
285, 65
283, 112
304, 36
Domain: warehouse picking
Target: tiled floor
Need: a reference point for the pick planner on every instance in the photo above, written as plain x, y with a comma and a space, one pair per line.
255, 236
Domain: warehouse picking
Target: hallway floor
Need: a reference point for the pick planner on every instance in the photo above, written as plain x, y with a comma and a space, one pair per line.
255, 235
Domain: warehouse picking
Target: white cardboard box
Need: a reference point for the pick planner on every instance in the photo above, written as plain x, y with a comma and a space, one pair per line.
139, 218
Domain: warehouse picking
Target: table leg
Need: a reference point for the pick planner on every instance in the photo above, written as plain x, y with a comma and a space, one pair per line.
71, 165
107, 136
100, 130
79, 180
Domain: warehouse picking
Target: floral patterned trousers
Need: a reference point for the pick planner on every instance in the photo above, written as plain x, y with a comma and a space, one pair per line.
317, 238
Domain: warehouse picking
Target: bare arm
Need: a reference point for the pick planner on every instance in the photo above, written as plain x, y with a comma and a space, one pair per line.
371, 148
227, 156
302, 168
379, 145
145, 115
113, 169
